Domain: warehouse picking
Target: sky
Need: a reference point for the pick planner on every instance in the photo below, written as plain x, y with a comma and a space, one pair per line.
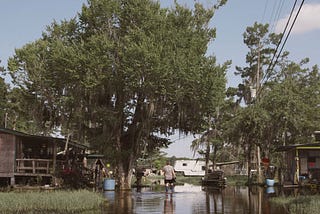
23, 21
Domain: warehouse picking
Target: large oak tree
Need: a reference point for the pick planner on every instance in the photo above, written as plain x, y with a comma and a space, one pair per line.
122, 74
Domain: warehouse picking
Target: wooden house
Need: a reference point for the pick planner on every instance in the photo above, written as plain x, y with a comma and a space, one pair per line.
301, 164
24, 157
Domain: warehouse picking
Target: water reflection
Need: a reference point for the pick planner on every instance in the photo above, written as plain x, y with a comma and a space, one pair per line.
270, 190
169, 205
118, 202
193, 199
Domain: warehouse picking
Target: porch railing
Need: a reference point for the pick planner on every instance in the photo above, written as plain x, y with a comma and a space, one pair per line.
34, 166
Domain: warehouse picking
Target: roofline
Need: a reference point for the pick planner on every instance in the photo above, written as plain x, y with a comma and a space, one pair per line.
22, 134
298, 146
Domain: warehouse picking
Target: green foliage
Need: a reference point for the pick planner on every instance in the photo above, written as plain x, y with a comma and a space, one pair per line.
292, 102
3, 101
262, 47
286, 109
237, 180
121, 74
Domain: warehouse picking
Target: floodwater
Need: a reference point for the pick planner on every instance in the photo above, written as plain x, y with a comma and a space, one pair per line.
193, 199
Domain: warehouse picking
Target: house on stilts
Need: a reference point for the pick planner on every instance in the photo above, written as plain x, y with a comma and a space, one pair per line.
26, 158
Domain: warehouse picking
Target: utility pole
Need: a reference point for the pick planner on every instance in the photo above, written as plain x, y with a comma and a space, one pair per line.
257, 97
6, 120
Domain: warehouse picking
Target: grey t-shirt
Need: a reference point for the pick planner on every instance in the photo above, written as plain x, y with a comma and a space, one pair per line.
168, 172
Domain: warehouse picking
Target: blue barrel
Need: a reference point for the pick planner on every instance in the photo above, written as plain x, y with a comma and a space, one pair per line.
270, 190
270, 182
109, 184
109, 195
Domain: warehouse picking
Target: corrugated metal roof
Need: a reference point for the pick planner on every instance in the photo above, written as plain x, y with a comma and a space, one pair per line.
47, 138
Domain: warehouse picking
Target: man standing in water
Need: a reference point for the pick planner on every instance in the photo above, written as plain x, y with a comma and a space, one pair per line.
169, 176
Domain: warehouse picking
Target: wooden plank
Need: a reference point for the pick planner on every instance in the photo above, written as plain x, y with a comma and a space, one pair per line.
6, 174
34, 159
32, 174
290, 186
32, 168
37, 165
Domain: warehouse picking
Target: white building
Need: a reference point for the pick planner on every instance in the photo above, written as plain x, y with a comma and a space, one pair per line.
190, 167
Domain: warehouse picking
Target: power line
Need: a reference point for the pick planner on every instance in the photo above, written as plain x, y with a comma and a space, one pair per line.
272, 64
264, 11
285, 41
277, 14
278, 45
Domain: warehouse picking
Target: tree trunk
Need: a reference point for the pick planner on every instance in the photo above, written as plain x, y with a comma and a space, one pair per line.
258, 165
122, 173
124, 170
214, 157
125, 162
207, 157
249, 164
124, 177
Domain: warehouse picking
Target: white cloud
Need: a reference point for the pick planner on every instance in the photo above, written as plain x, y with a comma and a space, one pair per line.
308, 20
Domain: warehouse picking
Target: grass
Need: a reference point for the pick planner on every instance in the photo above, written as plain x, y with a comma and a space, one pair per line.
237, 180
189, 180
299, 204
81, 201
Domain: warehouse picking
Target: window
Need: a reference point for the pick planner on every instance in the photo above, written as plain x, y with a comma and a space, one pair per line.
184, 164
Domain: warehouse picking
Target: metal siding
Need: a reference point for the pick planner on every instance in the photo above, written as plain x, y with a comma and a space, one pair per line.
7, 154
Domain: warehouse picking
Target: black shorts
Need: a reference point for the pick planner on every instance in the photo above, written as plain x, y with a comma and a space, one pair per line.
170, 181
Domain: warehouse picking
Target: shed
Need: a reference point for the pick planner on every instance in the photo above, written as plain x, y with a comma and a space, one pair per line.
24, 156
301, 161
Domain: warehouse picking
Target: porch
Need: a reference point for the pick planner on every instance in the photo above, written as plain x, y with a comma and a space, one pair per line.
301, 164
29, 157
34, 167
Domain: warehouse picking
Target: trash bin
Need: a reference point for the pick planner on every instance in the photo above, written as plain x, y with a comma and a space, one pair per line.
109, 184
